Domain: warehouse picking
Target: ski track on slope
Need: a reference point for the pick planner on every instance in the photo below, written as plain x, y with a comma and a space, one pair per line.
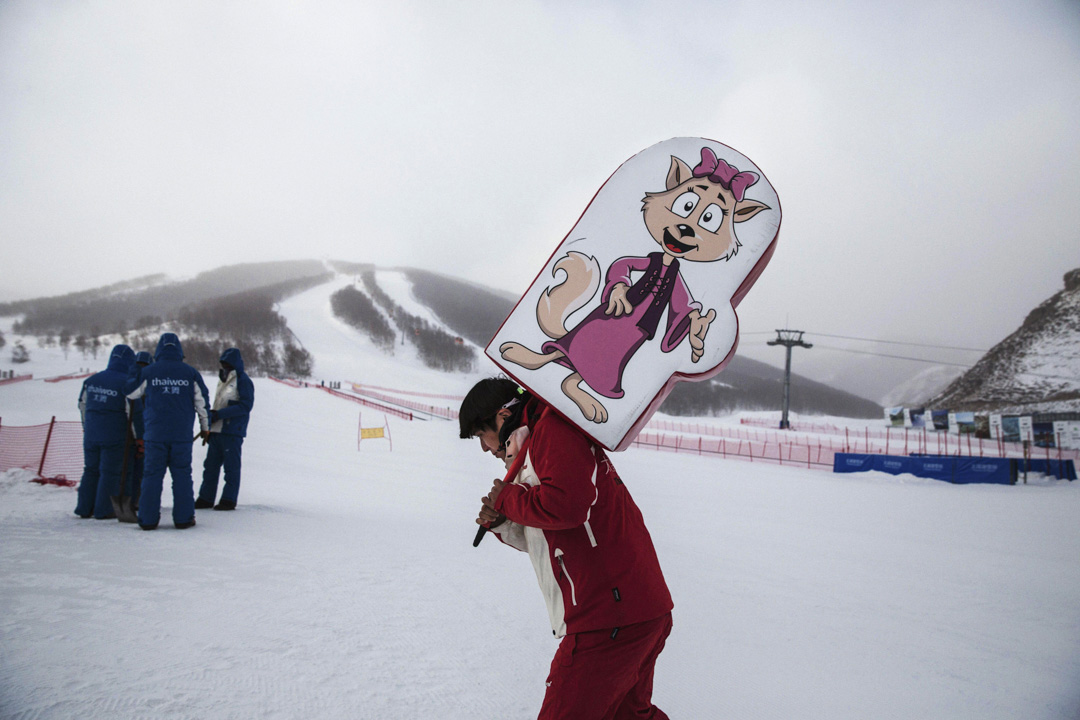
347, 354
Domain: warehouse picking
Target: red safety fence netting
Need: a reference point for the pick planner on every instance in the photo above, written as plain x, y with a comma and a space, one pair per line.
853, 444
443, 412
414, 393
17, 378
368, 403
53, 450
348, 396
807, 456
69, 376
908, 440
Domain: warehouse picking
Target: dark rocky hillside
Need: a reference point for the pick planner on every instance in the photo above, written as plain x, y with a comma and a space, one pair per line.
1036, 369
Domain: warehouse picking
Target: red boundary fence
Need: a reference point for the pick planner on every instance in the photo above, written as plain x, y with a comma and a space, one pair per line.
69, 376
368, 403
413, 393
807, 456
17, 378
798, 448
337, 393
443, 412
53, 450
911, 440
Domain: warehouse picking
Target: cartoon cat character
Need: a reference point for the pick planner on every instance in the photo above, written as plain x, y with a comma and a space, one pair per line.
694, 220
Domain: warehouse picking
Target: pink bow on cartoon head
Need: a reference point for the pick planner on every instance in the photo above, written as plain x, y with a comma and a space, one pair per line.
718, 171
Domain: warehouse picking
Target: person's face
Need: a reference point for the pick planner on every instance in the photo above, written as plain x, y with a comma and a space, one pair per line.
489, 438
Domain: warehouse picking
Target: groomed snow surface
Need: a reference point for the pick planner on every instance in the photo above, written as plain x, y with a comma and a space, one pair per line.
345, 584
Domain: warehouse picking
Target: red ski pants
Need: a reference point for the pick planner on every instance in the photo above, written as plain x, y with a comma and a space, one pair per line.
595, 676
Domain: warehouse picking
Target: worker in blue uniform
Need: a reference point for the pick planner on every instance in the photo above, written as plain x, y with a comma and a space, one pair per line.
104, 411
229, 415
175, 397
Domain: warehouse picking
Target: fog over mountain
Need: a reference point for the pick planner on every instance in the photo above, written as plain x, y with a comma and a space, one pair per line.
1035, 369
236, 305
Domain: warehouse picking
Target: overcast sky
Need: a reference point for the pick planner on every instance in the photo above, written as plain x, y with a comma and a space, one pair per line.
926, 155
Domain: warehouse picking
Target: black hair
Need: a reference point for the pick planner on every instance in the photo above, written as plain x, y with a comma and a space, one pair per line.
483, 402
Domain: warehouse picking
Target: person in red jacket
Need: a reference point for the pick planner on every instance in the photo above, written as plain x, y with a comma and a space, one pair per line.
564, 504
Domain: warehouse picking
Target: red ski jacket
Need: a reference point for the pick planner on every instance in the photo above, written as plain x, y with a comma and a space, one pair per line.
568, 508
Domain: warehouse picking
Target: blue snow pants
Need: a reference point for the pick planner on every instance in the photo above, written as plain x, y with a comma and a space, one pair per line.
102, 463
223, 450
176, 458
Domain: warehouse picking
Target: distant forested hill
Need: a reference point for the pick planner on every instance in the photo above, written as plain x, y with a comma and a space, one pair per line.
231, 306
83, 296
472, 311
152, 300
747, 384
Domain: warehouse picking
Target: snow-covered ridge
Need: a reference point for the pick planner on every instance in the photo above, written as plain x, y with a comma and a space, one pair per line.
1036, 369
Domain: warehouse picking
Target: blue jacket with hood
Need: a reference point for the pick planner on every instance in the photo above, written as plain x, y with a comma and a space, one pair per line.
237, 410
102, 405
175, 394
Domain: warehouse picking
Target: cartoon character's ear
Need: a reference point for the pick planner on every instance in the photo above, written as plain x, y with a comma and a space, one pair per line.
748, 209
678, 173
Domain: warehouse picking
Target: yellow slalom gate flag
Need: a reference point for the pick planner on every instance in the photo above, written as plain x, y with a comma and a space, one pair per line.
372, 433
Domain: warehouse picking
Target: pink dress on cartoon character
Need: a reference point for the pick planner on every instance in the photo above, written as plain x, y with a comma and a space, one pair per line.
599, 347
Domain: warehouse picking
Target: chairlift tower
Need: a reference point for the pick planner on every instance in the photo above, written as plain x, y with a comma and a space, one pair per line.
789, 339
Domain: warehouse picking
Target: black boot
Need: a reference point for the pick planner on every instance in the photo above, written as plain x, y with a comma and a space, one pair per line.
201, 504
185, 525
148, 527
225, 505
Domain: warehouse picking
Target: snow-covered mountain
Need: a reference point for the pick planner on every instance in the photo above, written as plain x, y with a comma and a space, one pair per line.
1036, 369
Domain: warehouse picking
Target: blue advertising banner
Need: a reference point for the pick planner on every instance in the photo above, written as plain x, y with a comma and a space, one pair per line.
1061, 469
956, 469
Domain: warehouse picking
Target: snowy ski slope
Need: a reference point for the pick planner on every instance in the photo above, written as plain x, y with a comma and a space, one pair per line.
345, 584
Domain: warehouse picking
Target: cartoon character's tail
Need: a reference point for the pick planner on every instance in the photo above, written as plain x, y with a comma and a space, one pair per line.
560, 301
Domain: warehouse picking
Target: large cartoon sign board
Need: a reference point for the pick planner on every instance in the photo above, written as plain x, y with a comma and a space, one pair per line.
641, 293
